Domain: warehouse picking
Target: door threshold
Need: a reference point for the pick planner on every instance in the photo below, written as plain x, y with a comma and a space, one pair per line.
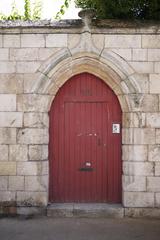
95, 210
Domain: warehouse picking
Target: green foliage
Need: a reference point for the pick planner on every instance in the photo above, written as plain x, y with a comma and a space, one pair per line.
27, 9
63, 8
37, 10
15, 15
123, 9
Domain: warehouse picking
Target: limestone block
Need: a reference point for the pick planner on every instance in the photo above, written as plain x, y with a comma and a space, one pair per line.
7, 67
153, 54
138, 168
56, 40
38, 120
7, 135
157, 67
73, 40
45, 168
127, 135
4, 54
16, 183
18, 153
7, 102
143, 67
44, 53
7, 196
11, 40
135, 153
98, 41
3, 152
32, 198
153, 184
29, 80
11, 119
34, 103
133, 120
148, 103
141, 81
134, 183
147, 213
151, 41
27, 67
11, 83
140, 55
36, 183
154, 83
32, 136
28, 168
138, 199
157, 169
123, 41
154, 153
7, 168
32, 40
153, 120
3, 183
144, 136
1, 40
24, 54
158, 136
157, 200
38, 152
124, 53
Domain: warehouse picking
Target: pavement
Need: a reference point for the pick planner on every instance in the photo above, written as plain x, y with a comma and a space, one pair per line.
44, 228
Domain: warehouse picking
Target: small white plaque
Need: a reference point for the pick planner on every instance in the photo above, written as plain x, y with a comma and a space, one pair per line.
115, 128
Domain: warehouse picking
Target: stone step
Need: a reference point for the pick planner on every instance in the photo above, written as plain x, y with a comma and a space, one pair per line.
85, 210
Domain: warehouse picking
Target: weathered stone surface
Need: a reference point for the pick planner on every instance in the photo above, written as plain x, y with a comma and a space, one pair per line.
16, 183
124, 53
38, 120
7, 67
154, 153
0, 40
7, 196
24, 54
123, 41
157, 169
28, 168
138, 168
154, 83
32, 136
7, 102
157, 67
38, 152
45, 53
141, 80
144, 102
153, 54
4, 54
56, 40
151, 41
157, 200
3, 183
34, 103
127, 135
7, 168
11, 83
153, 120
148, 213
153, 184
27, 67
158, 136
32, 198
143, 67
138, 199
32, 40
11, 40
3, 152
11, 119
36, 183
140, 55
45, 168
135, 153
98, 41
134, 183
144, 136
7, 135
18, 152
134, 120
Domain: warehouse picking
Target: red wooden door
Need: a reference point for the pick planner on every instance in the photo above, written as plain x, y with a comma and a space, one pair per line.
85, 154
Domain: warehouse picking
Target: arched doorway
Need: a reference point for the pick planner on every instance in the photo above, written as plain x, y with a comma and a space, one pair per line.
85, 142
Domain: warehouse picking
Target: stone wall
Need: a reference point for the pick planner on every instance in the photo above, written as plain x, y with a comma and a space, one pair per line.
35, 61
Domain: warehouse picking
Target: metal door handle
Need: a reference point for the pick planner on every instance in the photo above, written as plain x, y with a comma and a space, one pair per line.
85, 169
